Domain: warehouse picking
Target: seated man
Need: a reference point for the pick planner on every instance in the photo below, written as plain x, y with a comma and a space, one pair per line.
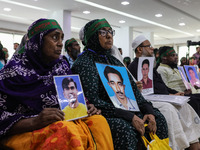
73, 50
177, 129
168, 70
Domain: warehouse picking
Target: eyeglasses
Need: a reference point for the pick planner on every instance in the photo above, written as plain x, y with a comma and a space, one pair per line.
149, 46
105, 32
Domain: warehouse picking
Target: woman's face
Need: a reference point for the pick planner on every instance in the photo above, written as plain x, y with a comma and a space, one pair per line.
52, 45
106, 41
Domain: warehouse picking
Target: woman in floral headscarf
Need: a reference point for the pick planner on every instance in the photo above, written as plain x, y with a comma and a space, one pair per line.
126, 126
30, 118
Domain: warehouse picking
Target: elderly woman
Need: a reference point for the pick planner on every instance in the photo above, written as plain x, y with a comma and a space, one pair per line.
126, 126
30, 114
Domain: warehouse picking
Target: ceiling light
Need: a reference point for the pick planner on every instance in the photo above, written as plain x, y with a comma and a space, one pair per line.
182, 24
131, 16
122, 21
86, 12
7, 9
198, 30
15, 17
125, 3
158, 15
24, 5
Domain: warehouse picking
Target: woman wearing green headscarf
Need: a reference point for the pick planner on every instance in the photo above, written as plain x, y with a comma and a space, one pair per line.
30, 116
126, 126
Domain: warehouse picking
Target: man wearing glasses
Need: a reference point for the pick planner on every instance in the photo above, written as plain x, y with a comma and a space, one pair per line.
142, 48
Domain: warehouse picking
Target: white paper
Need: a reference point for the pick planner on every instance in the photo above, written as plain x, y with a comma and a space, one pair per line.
177, 100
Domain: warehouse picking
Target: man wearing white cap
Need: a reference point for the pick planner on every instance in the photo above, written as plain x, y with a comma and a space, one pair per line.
177, 131
143, 48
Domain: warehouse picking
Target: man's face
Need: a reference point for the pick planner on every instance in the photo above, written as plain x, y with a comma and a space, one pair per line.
75, 49
147, 49
183, 61
116, 84
192, 74
172, 59
145, 71
70, 92
15, 46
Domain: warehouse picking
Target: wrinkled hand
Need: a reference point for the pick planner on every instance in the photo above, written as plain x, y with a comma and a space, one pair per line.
139, 85
151, 122
47, 116
138, 124
93, 110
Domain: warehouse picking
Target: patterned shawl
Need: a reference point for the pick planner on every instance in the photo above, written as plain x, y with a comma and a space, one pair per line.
26, 82
91, 82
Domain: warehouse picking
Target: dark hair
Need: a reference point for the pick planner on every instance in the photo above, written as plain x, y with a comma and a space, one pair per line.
146, 61
66, 81
108, 70
163, 49
190, 68
17, 43
127, 60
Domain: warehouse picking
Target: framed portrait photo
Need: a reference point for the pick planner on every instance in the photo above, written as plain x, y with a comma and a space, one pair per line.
70, 96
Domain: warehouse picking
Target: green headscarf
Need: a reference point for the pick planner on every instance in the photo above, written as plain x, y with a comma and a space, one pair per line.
94, 27
68, 42
166, 53
43, 26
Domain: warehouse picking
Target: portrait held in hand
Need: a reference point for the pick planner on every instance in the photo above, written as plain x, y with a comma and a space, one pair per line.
145, 74
117, 85
184, 77
192, 76
71, 97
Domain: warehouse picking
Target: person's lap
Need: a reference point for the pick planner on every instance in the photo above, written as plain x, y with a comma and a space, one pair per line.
59, 135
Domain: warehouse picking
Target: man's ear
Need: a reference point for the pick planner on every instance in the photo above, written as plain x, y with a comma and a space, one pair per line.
139, 50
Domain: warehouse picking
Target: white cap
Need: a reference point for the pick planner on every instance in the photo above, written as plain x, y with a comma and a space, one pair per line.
138, 40
81, 34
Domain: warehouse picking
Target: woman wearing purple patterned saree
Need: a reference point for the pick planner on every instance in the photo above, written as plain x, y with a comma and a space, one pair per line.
30, 117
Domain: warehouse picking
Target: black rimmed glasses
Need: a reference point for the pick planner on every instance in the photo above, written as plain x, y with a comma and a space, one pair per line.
105, 32
149, 46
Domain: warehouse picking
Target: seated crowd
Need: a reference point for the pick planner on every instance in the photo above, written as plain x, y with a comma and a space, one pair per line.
30, 114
